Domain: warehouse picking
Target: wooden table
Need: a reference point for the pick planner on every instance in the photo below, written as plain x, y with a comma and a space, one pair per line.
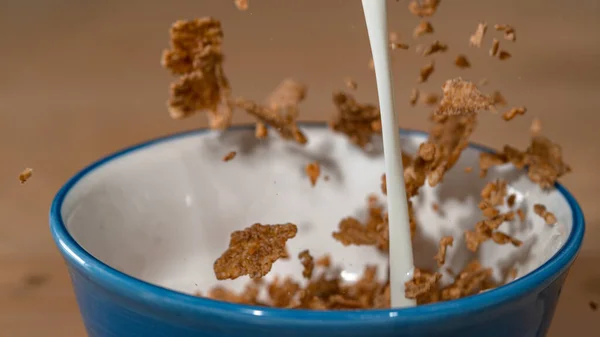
80, 79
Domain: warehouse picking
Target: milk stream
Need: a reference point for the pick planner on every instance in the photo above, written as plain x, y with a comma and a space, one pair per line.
401, 256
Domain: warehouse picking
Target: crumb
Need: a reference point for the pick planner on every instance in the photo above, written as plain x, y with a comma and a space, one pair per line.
424, 27
468, 169
494, 48
229, 156
462, 98
350, 83
241, 4
462, 62
514, 112
477, 37
357, 121
324, 261
414, 96
440, 257
504, 55
435, 47
253, 251
435, 207
430, 99
425, 72
548, 217
261, 131
509, 32
483, 81
593, 305
326, 178
383, 184
371, 64
307, 262
536, 127
25, 175
511, 200
423, 8
393, 37
313, 171
521, 215
498, 99
397, 45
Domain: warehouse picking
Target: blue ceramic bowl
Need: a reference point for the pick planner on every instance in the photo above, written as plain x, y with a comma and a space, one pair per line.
133, 230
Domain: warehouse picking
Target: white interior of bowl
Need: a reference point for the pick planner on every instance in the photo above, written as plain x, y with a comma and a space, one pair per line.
164, 213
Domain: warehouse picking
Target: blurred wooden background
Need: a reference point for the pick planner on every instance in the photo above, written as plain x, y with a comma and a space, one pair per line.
80, 79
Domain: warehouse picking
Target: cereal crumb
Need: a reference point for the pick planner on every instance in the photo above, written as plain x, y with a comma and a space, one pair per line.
241, 4
383, 184
350, 83
423, 8
431, 99
504, 55
414, 96
514, 112
593, 305
326, 177
397, 45
324, 261
468, 169
494, 48
424, 27
435, 47
498, 99
25, 175
253, 251
261, 131
307, 261
548, 217
477, 37
229, 156
313, 171
371, 64
440, 257
511, 200
462, 62
509, 32
435, 207
536, 127
462, 98
425, 72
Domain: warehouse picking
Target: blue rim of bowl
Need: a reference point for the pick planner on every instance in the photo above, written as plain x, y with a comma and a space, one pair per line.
173, 301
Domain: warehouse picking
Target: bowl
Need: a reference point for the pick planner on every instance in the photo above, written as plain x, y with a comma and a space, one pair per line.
141, 229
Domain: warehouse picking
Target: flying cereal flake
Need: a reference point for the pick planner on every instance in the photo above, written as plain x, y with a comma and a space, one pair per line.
241, 4
514, 112
462, 62
25, 175
509, 32
426, 71
477, 37
494, 48
229, 156
424, 27
504, 55
462, 98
